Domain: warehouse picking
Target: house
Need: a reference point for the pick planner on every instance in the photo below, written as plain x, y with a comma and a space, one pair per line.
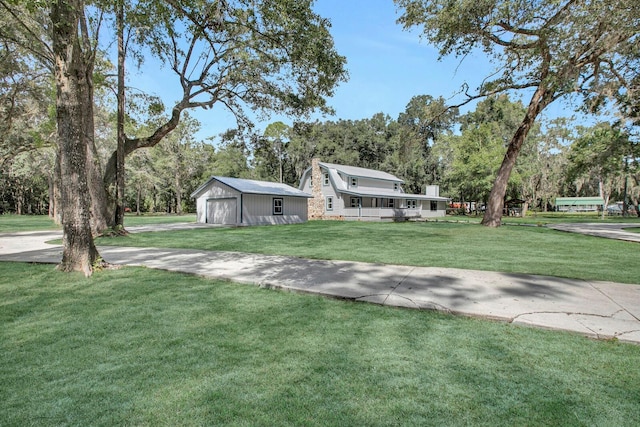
234, 201
579, 204
348, 192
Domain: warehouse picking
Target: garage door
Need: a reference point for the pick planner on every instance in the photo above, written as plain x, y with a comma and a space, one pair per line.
221, 211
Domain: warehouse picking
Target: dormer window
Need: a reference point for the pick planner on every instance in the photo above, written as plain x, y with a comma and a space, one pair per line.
325, 179
396, 186
353, 181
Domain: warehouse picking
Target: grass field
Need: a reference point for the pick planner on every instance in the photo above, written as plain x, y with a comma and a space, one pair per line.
150, 348
43, 222
515, 249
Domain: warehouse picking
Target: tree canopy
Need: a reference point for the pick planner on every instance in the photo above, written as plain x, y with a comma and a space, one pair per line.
551, 48
265, 55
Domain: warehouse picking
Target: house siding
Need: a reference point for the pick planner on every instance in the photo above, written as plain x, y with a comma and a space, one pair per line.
247, 208
369, 182
257, 209
215, 191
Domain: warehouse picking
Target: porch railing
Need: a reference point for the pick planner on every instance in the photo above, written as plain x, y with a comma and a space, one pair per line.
381, 212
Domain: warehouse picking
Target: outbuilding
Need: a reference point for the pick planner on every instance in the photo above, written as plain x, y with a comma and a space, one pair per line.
579, 204
235, 201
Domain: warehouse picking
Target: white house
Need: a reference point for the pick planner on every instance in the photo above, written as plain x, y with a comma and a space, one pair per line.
234, 201
348, 192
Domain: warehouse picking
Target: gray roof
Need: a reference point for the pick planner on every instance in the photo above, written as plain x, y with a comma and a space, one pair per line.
250, 186
390, 194
361, 172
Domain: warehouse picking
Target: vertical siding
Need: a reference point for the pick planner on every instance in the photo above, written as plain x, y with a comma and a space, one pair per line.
216, 190
428, 213
257, 209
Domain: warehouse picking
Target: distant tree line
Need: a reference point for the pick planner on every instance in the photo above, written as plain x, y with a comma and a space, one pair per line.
459, 152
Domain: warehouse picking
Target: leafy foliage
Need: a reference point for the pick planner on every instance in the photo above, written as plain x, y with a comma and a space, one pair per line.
554, 49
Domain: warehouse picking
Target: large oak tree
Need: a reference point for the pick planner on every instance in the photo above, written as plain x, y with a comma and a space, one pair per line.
263, 55
549, 48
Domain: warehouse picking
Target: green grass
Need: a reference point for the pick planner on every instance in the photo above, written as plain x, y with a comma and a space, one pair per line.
150, 348
542, 218
42, 222
516, 249
12, 223
133, 220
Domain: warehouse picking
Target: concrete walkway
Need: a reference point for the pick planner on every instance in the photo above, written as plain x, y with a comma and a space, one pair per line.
609, 231
592, 308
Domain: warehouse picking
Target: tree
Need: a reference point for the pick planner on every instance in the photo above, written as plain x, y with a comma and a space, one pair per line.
230, 159
264, 55
73, 58
425, 120
270, 150
269, 56
551, 49
597, 160
474, 155
176, 162
542, 164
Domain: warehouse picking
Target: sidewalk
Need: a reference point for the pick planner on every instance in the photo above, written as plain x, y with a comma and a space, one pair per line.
592, 308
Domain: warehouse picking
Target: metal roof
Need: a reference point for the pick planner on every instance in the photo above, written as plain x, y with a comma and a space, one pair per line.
579, 201
250, 186
340, 187
390, 194
361, 172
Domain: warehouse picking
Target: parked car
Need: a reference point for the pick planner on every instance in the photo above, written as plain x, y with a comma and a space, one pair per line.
617, 209
614, 210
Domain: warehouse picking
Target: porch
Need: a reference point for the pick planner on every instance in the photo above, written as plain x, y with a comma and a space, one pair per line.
381, 213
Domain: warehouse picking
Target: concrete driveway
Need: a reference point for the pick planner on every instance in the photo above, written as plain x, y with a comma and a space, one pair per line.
593, 308
609, 231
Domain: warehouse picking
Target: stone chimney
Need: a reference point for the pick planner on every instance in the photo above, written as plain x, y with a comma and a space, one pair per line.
316, 204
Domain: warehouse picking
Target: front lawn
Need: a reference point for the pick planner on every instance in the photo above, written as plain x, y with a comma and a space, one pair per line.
11, 223
151, 348
517, 249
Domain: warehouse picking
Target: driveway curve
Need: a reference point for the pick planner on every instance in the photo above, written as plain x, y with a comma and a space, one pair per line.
593, 308
609, 231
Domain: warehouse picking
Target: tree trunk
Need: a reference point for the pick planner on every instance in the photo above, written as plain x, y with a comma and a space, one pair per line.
101, 219
72, 86
120, 183
495, 206
178, 183
56, 191
525, 208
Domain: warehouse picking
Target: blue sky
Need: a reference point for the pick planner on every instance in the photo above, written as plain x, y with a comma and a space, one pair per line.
387, 66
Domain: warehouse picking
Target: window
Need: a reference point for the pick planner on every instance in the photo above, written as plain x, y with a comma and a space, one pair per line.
355, 202
277, 206
329, 203
434, 205
391, 203
325, 179
311, 181
411, 204
396, 186
353, 181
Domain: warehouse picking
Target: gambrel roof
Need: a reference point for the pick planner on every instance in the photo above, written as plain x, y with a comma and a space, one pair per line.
335, 171
361, 172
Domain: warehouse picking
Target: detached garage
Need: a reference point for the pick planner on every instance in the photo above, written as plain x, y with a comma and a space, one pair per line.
235, 201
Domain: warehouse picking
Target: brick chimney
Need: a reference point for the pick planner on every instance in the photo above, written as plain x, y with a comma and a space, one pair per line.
316, 204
